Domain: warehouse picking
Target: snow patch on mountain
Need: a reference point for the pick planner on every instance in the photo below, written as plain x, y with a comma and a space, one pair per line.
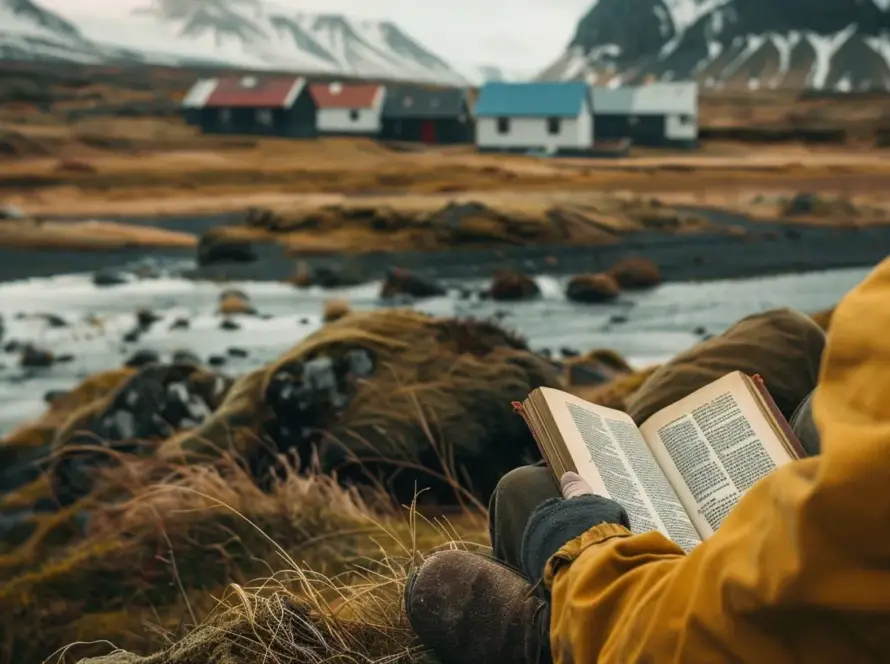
245, 34
822, 44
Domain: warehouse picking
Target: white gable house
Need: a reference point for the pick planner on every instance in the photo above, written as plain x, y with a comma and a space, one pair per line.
549, 116
657, 114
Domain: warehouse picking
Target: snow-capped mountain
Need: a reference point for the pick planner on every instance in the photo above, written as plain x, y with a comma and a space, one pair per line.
841, 45
248, 34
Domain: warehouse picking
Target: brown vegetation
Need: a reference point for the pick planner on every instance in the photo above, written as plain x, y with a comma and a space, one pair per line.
88, 235
335, 310
165, 537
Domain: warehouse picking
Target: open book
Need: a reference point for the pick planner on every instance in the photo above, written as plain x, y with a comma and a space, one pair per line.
684, 468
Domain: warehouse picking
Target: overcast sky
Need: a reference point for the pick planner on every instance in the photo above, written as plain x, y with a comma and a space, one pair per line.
518, 35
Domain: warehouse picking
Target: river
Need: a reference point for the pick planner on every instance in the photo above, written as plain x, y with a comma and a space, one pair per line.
644, 327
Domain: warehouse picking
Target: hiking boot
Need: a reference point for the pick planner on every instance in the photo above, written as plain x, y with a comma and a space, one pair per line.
470, 609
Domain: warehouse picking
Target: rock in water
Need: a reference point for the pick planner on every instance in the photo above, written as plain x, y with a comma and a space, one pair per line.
399, 281
362, 394
508, 286
33, 357
214, 249
233, 302
635, 273
592, 288
111, 277
142, 357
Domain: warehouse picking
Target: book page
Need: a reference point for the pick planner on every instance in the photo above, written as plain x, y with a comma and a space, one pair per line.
714, 445
610, 453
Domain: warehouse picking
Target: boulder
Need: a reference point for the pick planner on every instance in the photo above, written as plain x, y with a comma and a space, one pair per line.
34, 358
111, 277
509, 286
360, 395
399, 281
142, 357
635, 273
214, 249
235, 302
592, 288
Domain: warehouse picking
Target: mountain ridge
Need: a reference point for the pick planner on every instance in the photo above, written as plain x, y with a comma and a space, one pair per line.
246, 34
839, 45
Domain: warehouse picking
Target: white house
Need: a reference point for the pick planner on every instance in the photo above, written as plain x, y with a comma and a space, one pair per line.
348, 109
551, 116
651, 114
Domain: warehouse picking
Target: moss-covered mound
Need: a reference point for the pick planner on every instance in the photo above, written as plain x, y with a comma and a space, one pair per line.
384, 396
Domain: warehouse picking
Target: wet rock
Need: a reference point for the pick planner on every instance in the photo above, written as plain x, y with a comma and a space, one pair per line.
2, 328
180, 324
12, 346
700, 331
464, 293
53, 320
111, 277
142, 357
64, 358
235, 302
229, 325
132, 336
235, 351
33, 357
8, 212
569, 352
510, 286
617, 318
216, 360
51, 395
545, 352
592, 288
334, 310
360, 362
186, 357
146, 318
214, 249
635, 273
582, 374
305, 321
399, 281
151, 405
337, 276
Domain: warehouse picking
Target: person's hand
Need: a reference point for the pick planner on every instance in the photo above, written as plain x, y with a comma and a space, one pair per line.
573, 485
557, 521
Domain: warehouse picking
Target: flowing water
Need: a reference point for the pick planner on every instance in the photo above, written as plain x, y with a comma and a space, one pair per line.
644, 327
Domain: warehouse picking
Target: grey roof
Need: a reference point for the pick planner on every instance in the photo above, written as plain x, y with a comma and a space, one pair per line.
417, 102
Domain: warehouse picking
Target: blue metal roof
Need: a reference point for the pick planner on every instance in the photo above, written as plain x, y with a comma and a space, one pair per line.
545, 99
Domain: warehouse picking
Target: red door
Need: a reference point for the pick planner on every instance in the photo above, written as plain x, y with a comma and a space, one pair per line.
428, 132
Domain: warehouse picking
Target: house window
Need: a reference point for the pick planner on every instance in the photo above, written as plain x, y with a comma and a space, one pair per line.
225, 116
686, 119
263, 117
353, 115
503, 125
553, 126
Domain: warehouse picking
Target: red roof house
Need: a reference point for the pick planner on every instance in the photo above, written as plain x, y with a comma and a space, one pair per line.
273, 105
348, 109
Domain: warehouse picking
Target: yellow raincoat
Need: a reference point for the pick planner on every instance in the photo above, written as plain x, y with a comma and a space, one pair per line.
798, 572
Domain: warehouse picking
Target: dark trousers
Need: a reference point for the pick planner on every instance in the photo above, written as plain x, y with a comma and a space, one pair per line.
782, 345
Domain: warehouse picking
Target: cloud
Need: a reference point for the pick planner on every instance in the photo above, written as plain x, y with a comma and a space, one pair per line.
517, 35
